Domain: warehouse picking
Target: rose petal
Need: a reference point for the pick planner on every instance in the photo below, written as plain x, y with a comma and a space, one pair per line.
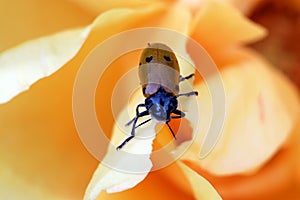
95, 7
110, 179
277, 179
210, 26
202, 188
219, 25
26, 20
25, 64
295, 143
245, 7
103, 176
167, 183
114, 174
38, 139
261, 109
10, 181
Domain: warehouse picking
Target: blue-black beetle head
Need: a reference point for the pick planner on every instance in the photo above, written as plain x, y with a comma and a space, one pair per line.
161, 104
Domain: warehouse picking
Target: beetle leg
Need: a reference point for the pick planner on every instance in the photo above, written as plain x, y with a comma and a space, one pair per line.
179, 114
133, 129
171, 130
188, 94
143, 123
137, 113
181, 78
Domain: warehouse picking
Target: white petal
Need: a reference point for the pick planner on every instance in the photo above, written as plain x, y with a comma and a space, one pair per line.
23, 65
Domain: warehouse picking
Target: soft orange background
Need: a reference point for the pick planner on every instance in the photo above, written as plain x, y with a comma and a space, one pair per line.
40, 152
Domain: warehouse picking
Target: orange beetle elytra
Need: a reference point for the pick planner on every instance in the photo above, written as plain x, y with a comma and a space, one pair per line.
159, 76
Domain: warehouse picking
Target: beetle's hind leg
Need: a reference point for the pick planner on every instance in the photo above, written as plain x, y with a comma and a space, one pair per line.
171, 130
133, 128
181, 78
178, 113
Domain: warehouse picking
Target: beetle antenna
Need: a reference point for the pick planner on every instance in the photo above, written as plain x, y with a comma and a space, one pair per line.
171, 130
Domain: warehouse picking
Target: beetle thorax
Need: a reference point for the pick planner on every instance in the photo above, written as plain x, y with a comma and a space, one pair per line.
161, 104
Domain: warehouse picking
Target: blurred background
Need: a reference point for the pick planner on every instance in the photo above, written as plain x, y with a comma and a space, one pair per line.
282, 46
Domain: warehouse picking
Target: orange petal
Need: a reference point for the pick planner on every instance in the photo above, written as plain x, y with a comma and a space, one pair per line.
37, 129
25, 20
277, 179
245, 7
218, 25
121, 170
261, 109
238, 29
202, 188
295, 141
167, 183
122, 181
96, 7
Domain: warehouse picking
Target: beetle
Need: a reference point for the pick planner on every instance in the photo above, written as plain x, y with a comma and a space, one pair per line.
159, 77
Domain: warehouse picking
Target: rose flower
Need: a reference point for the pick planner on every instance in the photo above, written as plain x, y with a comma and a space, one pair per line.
42, 157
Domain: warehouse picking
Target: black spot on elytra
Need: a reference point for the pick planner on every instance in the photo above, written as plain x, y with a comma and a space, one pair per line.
148, 59
167, 58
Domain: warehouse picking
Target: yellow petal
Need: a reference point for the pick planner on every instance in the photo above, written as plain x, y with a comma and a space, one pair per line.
41, 57
167, 183
245, 7
102, 179
261, 109
202, 188
25, 20
219, 24
11, 182
219, 38
123, 169
277, 179
96, 7
109, 178
25, 64
37, 127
